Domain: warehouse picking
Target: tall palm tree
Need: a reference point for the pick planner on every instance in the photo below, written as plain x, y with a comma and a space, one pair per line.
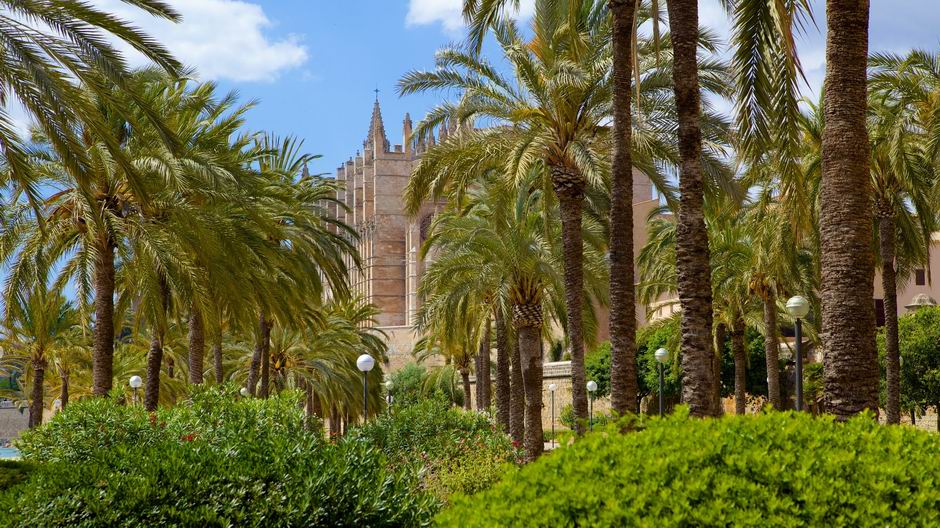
693, 275
848, 315
904, 84
903, 181
555, 114
499, 234
48, 46
623, 369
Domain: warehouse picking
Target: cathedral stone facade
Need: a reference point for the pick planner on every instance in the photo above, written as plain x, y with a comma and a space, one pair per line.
371, 184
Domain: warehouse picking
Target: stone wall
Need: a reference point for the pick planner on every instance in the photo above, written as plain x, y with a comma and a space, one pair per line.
12, 423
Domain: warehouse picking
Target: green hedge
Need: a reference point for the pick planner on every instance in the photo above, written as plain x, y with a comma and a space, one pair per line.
219, 461
454, 450
780, 469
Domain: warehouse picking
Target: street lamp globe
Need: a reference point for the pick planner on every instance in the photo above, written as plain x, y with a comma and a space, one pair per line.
365, 363
57, 404
244, 392
661, 355
388, 385
592, 386
552, 387
798, 307
135, 382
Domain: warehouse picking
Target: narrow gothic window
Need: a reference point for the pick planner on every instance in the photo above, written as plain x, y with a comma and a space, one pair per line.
920, 277
880, 312
426, 226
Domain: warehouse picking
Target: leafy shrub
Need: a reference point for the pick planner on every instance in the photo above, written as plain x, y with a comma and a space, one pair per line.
597, 367
566, 417
779, 469
456, 450
919, 346
13, 472
408, 385
218, 461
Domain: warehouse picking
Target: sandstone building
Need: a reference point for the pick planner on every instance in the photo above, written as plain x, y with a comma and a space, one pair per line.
371, 185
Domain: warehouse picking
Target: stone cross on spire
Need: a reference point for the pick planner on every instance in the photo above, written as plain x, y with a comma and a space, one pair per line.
376, 136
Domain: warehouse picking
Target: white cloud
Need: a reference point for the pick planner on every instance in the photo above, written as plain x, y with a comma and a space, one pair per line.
449, 13
222, 39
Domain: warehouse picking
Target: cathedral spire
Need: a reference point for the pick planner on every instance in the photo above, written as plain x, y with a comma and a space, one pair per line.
376, 135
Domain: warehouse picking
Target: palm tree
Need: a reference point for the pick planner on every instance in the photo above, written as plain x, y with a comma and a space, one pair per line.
62, 42
555, 114
848, 315
623, 369
903, 180
693, 275
38, 320
307, 247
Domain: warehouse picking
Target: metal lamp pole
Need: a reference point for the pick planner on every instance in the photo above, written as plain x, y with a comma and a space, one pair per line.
592, 387
365, 363
551, 389
662, 356
798, 308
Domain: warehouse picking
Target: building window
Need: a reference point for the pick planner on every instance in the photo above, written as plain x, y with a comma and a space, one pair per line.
880, 312
920, 277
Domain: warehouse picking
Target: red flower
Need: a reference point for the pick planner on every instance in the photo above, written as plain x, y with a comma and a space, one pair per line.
188, 437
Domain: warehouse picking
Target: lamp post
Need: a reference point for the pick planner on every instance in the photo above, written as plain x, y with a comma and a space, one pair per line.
662, 356
388, 394
592, 388
551, 389
135, 382
244, 392
798, 307
365, 364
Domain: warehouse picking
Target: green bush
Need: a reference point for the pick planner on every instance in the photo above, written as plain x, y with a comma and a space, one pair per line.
597, 367
778, 469
455, 450
408, 385
13, 472
218, 461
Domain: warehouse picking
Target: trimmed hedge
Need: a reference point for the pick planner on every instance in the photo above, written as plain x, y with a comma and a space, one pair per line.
779, 469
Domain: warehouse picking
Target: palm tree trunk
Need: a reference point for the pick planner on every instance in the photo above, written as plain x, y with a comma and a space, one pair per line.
155, 356
740, 367
772, 349
887, 234
255, 367
484, 379
36, 398
217, 356
478, 386
531, 359
197, 345
503, 393
309, 415
467, 395
64, 390
154, 363
848, 314
569, 184
692, 255
623, 370
103, 338
721, 332
517, 399
265, 388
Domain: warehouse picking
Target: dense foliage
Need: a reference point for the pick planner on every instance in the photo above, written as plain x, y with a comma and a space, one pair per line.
778, 469
456, 450
919, 345
217, 461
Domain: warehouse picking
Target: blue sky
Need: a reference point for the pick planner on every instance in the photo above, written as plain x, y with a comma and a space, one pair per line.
313, 64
